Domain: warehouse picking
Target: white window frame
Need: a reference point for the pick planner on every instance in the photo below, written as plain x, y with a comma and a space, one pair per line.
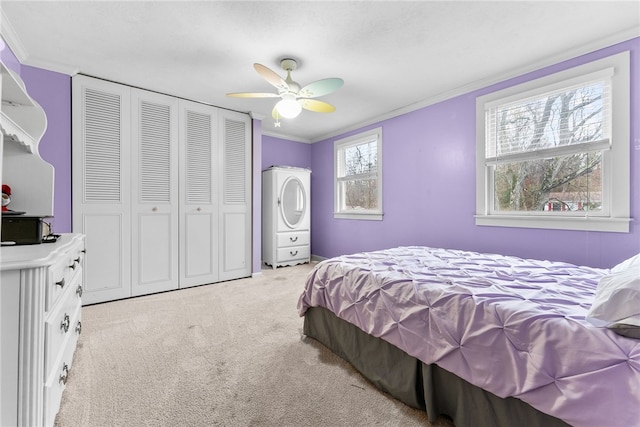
338, 147
616, 160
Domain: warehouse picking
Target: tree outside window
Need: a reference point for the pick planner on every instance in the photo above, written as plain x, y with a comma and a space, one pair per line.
358, 192
566, 119
554, 152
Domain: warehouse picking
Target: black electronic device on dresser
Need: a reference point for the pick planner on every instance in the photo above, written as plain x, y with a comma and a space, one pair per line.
22, 229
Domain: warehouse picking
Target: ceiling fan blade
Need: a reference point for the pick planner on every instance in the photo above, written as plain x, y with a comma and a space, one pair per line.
271, 76
253, 95
320, 87
317, 106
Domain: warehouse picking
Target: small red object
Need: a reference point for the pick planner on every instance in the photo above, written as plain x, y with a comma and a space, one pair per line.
6, 192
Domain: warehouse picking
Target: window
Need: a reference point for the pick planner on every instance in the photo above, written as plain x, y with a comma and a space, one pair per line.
554, 152
358, 176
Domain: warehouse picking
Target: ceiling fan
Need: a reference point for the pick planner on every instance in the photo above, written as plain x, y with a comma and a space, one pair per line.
293, 97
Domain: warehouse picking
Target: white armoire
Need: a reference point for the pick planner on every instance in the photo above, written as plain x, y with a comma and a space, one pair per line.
161, 190
286, 216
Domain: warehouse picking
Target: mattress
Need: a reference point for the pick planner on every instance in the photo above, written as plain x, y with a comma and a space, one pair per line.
514, 327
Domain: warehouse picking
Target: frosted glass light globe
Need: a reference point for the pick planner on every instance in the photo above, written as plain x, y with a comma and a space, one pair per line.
288, 107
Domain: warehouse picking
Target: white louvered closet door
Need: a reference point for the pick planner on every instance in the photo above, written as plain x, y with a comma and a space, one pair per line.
101, 191
235, 198
154, 156
198, 225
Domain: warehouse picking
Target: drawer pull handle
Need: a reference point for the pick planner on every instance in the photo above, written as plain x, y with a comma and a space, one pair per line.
64, 325
84, 251
293, 253
293, 239
77, 260
79, 291
73, 266
60, 283
79, 327
65, 374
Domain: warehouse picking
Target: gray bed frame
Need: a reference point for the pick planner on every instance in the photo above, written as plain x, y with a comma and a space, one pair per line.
419, 385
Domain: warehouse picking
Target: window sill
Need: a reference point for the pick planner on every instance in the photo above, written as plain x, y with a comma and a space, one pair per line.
615, 225
359, 215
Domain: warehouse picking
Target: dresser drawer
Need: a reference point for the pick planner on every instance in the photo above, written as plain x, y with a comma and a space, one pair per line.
297, 238
62, 323
55, 383
293, 253
63, 273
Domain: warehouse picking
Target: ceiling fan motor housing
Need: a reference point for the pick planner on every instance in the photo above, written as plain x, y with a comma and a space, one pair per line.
288, 64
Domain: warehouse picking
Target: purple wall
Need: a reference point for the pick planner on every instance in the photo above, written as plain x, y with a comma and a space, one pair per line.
281, 152
429, 187
53, 92
428, 178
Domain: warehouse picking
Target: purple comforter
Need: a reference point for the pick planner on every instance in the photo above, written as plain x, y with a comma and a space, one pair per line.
512, 326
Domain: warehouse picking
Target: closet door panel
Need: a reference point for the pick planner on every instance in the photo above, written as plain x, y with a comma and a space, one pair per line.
235, 209
200, 262
154, 249
104, 265
234, 242
154, 145
198, 212
101, 189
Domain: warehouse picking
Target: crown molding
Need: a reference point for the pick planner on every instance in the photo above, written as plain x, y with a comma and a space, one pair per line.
594, 46
287, 137
256, 116
57, 67
11, 38
17, 47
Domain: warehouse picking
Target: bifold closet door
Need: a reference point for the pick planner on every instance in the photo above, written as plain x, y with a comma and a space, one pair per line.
198, 225
154, 157
235, 200
102, 186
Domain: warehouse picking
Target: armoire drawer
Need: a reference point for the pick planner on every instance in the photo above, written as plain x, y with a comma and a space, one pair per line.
293, 253
296, 238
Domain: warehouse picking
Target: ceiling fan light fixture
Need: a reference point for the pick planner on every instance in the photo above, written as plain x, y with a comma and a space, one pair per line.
288, 107
293, 98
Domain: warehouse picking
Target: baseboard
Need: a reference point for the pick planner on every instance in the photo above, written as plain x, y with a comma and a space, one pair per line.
317, 258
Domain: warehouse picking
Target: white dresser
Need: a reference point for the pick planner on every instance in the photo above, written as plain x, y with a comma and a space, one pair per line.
40, 321
286, 216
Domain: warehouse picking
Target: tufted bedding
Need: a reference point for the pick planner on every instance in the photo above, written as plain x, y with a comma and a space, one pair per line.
511, 326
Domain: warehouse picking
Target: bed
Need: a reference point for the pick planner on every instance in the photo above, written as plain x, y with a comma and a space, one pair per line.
484, 339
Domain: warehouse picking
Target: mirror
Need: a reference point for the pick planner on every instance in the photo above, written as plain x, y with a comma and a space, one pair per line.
292, 202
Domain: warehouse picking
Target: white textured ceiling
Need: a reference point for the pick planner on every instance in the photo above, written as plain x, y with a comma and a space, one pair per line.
392, 55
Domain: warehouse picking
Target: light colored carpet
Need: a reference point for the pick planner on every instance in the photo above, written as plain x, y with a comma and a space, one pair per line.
228, 354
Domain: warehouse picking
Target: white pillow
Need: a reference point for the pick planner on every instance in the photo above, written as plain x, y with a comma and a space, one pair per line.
617, 299
634, 261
